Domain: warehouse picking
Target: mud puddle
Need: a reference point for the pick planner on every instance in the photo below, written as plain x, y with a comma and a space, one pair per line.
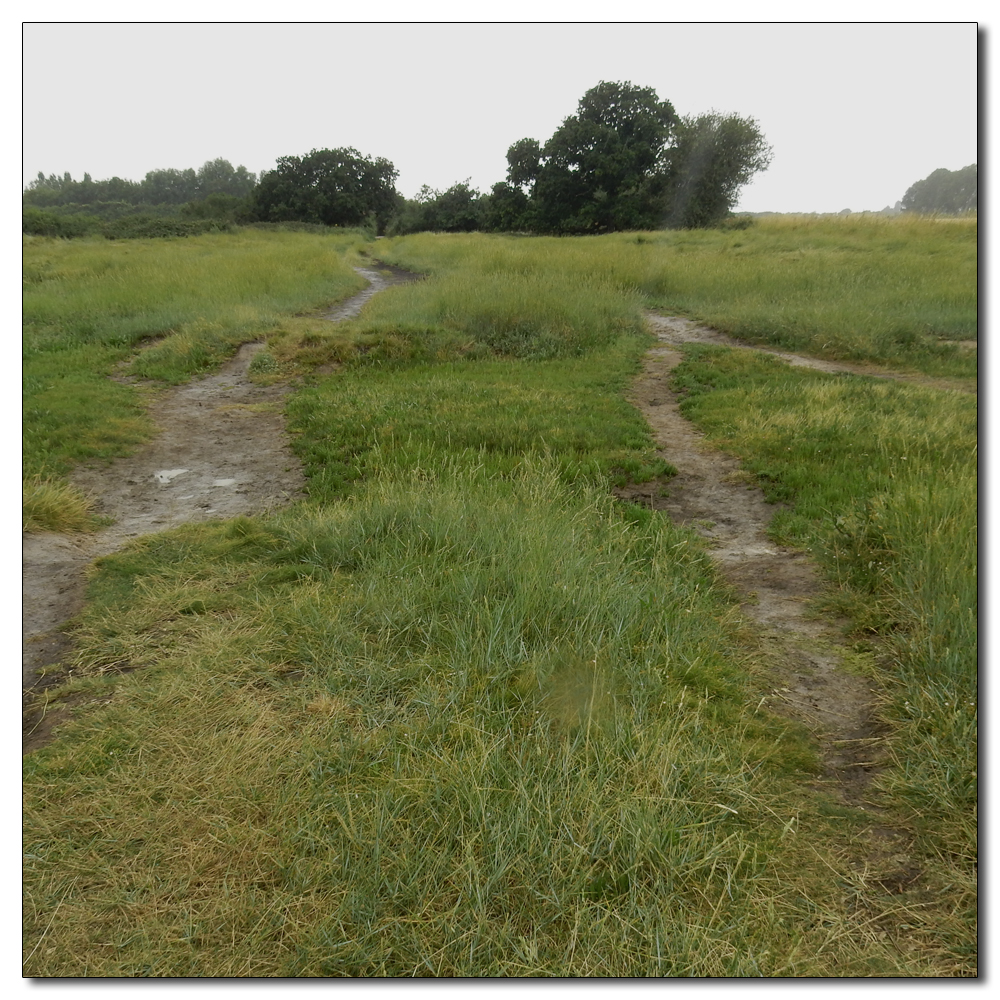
221, 451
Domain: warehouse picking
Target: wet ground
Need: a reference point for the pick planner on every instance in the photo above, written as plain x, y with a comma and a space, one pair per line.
220, 451
709, 495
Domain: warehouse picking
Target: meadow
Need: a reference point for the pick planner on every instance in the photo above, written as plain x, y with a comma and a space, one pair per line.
461, 713
161, 310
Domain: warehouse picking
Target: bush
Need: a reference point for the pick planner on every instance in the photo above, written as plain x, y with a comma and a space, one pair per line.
218, 207
42, 222
136, 227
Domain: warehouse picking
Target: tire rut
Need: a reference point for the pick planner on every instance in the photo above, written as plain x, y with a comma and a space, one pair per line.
677, 330
220, 451
811, 682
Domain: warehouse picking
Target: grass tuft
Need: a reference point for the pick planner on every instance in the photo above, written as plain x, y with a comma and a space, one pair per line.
50, 505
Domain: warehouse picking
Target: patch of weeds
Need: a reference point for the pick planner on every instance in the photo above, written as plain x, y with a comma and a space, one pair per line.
51, 505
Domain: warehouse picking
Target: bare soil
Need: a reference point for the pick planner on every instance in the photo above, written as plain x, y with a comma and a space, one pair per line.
710, 495
221, 450
812, 681
677, 330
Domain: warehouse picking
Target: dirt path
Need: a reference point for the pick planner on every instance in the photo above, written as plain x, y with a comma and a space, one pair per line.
677, 330
811, 680
221, 451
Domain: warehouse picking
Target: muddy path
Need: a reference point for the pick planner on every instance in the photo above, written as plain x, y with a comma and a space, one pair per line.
220, 451
811, 680
677, 330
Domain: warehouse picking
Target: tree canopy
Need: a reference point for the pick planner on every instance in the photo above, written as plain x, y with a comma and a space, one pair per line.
159, 187
626, 160
602, 169
334, 187
713, 156
460, 209
951, 192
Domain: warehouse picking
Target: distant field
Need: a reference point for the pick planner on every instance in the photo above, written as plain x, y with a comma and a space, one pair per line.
186, 303
460, 713
894, 291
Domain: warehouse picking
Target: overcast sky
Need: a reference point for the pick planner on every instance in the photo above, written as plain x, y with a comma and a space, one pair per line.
855, 112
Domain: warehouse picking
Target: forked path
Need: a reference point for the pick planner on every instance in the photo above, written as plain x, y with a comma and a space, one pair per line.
811, 684
220, 451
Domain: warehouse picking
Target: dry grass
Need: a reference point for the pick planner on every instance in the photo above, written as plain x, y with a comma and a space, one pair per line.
50, 505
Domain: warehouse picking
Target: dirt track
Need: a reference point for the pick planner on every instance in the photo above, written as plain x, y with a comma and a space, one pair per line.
221, 450
708, 495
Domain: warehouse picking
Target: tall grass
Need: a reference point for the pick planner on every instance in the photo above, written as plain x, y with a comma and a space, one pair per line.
88, 304
116, 293
458, 727
882, 479
49, 505
495, 414
892, 291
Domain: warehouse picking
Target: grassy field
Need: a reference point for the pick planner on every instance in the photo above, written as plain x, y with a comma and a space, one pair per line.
891, 291
159, 309
462, 714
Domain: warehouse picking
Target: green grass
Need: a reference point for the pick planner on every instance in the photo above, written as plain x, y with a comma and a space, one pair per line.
461, 714
170, 308
895, 292
490, 414
460, 727
882, 482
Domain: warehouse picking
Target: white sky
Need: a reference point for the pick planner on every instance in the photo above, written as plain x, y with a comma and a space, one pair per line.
855, 112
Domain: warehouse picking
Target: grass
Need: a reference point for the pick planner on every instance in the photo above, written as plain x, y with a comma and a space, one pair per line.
461, 714
50, 505
167, 309
492, 414
895, 292
882, 482
459, 727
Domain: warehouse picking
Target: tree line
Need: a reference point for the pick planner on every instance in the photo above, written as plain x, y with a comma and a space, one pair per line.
625, 160
950, 192
158, 187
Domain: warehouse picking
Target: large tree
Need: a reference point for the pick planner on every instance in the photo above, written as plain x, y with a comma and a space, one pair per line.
713, 156
602, 168
948, 191
335, 187
625, 160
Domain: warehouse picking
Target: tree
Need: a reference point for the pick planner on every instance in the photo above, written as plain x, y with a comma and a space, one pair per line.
711, 158
169, 186
625, 160
602, 168
506, 209
949, 191
334, 187
220, 177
